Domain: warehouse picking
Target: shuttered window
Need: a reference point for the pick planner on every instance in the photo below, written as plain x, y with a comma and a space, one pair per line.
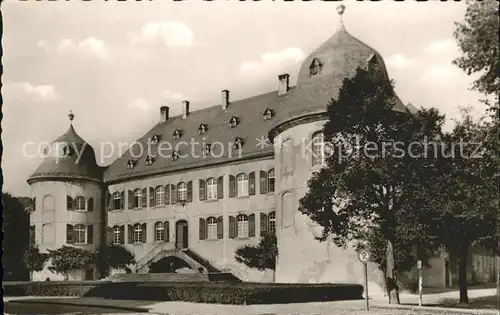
220, 187
202, 190
263, 182
211, 228
220, 227
202, 229
144, 198
189, 197
270, 180
263, 224
251, 183
232, 186
232, 227
152, 197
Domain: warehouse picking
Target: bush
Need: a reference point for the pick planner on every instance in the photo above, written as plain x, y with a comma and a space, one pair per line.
199, 292
49, 288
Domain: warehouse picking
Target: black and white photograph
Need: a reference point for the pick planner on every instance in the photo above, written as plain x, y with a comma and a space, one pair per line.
250, 157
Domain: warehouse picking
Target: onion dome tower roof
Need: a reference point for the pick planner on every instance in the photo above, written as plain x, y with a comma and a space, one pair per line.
68, 157
322, 73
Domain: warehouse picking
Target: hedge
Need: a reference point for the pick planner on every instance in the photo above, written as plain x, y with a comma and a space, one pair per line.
200, 292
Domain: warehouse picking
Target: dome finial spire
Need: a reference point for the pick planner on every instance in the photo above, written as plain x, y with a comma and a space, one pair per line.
340, 11
71, 117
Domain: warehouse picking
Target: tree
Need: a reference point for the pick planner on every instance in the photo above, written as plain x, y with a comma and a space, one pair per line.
33, 259
468, 214
16, 231
68, 258
370, 183
262, 256
113, 256
477, 38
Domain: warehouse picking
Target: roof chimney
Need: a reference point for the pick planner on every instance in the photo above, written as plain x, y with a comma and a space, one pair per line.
185, 109
225, 99
284, 83
164, 113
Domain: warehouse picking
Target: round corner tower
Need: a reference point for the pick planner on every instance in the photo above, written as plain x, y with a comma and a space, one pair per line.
299, 145
67, 194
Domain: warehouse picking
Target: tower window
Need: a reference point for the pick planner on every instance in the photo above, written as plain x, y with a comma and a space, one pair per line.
233, 122
238, 143
155, 138
318, 149
177, 134
130, 163
202, 129
315, 67
268, 114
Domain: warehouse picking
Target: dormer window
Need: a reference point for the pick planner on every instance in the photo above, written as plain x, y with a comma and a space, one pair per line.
65, 150
238, 143
130, 163
177, 134
149, 160
155, 139
202, 129
233, 122
268, 114
206, 148
315, 67
175, 156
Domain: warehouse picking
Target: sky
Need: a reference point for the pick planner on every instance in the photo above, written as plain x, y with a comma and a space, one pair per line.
115, 63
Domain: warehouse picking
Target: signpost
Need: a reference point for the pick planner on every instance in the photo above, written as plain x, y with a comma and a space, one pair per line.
364, 257
420, 282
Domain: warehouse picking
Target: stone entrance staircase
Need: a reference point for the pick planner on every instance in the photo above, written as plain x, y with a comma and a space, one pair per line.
203, 270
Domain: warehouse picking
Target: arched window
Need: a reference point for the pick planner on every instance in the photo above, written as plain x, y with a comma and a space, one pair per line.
270, 180
242, 229
47, 233
159, 232
315, 67
117, 200
272, 222
318, 149
137, 198
137, 233
80, 233
80, 203
242, 185
182, 191
48, 203
117, 235
159, 195
211, 189
212, 228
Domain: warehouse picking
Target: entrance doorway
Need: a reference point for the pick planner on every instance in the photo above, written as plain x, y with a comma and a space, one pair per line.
89, 274
181, 234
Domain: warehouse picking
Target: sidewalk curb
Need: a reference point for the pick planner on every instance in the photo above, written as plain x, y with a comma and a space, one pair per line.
119, 308
445, 310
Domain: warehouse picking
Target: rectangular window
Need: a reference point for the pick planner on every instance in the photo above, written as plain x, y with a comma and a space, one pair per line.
137, 233
242, 226
212, 228
159, 232
211, 189
80, 232
117, 235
